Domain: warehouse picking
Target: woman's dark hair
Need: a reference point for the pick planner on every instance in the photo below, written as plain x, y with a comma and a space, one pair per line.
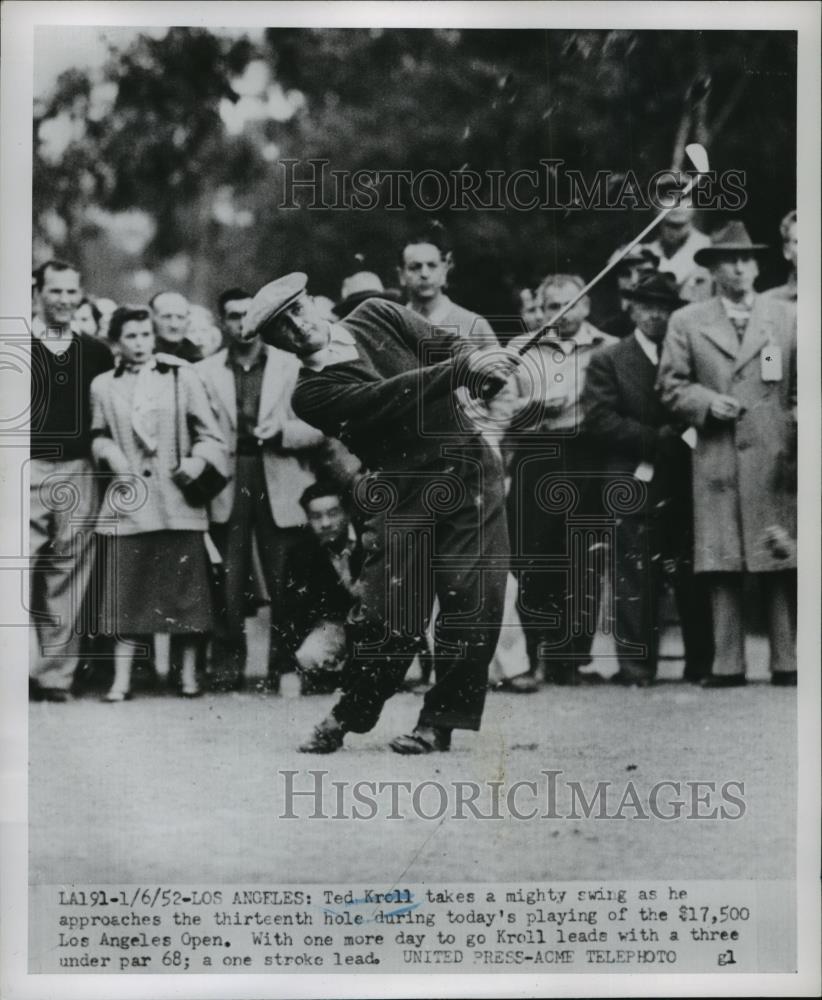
95, 312
123, 315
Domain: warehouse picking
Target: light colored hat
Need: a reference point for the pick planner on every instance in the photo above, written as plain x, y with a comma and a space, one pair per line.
362, 281
358, 287
271, 299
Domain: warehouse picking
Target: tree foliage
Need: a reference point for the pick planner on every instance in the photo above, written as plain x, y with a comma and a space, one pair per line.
413, 100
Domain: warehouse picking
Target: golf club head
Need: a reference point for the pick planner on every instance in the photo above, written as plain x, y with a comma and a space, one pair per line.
698, 156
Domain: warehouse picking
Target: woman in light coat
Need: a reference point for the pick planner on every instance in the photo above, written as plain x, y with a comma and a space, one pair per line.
154, 429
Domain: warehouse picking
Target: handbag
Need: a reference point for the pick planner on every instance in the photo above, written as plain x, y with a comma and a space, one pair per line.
211, 482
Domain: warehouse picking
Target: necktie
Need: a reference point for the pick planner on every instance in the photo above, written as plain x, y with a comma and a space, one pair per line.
739, 318
740, 325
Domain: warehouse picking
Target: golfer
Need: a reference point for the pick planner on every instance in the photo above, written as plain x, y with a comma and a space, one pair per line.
431, 502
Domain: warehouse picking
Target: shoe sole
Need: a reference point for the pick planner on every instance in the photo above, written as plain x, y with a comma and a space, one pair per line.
415, 747
317, 749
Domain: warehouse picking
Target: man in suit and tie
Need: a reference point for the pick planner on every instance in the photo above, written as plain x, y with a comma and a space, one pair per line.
249, 386
728, 369
635, 436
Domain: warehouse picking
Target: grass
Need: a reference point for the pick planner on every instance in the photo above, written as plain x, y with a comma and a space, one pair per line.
166, 790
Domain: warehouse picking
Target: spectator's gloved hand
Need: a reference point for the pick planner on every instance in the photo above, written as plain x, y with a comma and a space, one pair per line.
189, 469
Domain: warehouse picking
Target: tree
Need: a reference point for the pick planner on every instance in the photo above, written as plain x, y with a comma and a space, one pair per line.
413, 100
157, 144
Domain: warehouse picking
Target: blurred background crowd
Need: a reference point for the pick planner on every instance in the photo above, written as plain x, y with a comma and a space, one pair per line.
159, 154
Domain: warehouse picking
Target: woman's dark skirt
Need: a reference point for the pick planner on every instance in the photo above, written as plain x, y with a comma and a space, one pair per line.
155, 582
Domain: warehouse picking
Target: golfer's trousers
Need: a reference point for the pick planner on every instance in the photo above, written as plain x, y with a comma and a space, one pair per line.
436, 531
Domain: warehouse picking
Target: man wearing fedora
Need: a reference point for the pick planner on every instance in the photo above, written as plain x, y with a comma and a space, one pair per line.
635, 436
628, 273
385, 382
728, 369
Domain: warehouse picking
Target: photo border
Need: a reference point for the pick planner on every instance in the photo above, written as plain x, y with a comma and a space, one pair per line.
19, 19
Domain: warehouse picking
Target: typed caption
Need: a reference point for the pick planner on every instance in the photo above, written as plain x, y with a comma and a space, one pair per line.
564, 927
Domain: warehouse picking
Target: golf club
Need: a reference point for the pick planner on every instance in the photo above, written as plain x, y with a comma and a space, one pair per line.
698, 156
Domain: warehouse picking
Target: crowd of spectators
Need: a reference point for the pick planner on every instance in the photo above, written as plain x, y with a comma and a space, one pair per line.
650, 452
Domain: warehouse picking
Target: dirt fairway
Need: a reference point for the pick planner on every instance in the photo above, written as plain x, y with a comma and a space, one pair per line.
162, 790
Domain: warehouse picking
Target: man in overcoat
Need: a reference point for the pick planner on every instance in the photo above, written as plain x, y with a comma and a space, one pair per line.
728, 368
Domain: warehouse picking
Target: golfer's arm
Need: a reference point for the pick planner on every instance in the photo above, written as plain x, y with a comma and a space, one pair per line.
419, 335
333, 401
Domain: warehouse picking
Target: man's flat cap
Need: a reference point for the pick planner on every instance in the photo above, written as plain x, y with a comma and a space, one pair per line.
271, 299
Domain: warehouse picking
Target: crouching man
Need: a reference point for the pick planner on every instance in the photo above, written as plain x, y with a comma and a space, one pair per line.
320, 586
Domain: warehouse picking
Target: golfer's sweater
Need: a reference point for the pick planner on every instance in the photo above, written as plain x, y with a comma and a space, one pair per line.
395, 404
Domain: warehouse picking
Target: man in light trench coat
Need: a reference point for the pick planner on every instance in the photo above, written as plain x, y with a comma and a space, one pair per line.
728, 368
